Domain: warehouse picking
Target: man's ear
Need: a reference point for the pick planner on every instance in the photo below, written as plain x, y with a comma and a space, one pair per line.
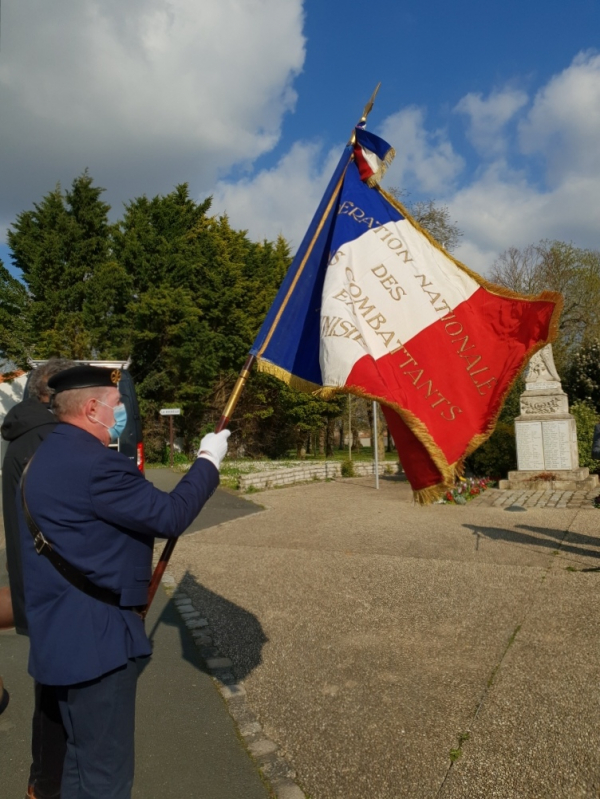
90, 406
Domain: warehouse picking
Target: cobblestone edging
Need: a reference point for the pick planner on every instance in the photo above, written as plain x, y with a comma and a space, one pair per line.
279, 774
327, 470
502, 498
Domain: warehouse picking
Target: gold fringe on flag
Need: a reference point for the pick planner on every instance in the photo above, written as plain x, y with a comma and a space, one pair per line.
288, 378
429, 495
501, 291
449, 472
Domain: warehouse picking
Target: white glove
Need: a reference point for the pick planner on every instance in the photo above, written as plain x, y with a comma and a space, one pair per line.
213, 447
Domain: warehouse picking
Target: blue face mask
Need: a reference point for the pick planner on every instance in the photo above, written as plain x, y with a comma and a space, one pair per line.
120, 415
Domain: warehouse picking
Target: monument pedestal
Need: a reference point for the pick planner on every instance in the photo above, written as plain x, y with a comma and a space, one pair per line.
578, 479
546, 435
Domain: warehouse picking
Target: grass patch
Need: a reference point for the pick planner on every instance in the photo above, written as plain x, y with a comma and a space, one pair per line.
456, 753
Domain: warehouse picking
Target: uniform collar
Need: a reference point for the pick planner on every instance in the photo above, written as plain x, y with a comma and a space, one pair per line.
72, 431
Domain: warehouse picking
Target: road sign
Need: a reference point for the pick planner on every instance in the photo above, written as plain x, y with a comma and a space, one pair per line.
170, 411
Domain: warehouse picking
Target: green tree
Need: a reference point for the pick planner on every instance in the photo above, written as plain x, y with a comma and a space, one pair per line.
497, 456
106, 312
558, 266
586, 418
582, 377
14, 305
433, 217
59, 246
200, 291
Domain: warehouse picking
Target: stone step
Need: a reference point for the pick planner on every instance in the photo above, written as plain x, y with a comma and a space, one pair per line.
581, 473
588, 484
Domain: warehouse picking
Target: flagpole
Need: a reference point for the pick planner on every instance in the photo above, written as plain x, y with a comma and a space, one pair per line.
310, 246
245, 371
168, 548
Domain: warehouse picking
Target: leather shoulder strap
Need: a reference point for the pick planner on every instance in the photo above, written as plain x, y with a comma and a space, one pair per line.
44, 547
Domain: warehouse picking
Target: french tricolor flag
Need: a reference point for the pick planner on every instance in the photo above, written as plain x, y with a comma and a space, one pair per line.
372, 156
373, 306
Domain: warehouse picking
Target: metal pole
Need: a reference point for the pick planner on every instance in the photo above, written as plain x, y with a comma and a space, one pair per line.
376, 444
349, 428
171, 440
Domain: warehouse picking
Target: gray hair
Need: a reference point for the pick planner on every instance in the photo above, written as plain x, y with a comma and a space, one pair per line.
69, 403
38, 382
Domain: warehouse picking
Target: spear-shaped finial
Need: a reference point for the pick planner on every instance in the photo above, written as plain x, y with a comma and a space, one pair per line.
370, 104
366, 112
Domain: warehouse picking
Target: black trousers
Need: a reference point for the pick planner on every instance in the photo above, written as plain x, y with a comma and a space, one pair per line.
99, 716
48, 743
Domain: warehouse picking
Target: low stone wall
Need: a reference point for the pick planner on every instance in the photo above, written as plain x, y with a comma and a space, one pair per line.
310, 471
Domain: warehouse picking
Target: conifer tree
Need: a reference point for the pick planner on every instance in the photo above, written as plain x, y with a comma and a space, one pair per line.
59, 246
14, 333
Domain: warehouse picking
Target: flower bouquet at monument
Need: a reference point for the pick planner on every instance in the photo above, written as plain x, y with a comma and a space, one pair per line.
466, 489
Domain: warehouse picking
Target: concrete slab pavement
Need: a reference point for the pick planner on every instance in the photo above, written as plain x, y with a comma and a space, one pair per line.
537, 733
187, 745
392, 632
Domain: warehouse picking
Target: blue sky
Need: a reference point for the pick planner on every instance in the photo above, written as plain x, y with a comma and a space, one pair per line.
493, 108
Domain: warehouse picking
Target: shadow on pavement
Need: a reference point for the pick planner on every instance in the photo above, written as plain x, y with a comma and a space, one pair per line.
223, 506
236, 633
574, 543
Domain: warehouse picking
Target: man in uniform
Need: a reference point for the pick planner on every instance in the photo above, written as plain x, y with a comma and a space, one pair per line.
25, 427
86, 578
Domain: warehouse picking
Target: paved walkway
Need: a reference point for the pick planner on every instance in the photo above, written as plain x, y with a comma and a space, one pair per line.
368, 648
187, 744
391, 651
536, 499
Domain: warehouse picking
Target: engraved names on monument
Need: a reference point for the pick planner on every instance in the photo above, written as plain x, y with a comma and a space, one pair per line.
557, 445
545, 430
530, 447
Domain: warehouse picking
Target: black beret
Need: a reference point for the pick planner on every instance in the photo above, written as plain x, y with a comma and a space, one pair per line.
84, 377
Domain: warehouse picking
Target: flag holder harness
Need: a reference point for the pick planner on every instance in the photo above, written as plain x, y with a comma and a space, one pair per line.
169, 547
75, 577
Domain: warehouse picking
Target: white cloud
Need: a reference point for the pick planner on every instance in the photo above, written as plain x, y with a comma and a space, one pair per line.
564, 123
281, 200
497, 212
423, 159
498, 204
503, 207
488, 117
147, 93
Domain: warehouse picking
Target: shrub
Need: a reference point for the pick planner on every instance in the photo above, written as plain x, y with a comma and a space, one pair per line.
497, 456
586, 419
347, 468
179, 458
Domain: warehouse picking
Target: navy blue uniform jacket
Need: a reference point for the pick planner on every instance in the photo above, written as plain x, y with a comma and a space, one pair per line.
102, 515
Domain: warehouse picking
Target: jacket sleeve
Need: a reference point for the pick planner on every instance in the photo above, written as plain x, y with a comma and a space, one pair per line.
123, 497
596, 443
